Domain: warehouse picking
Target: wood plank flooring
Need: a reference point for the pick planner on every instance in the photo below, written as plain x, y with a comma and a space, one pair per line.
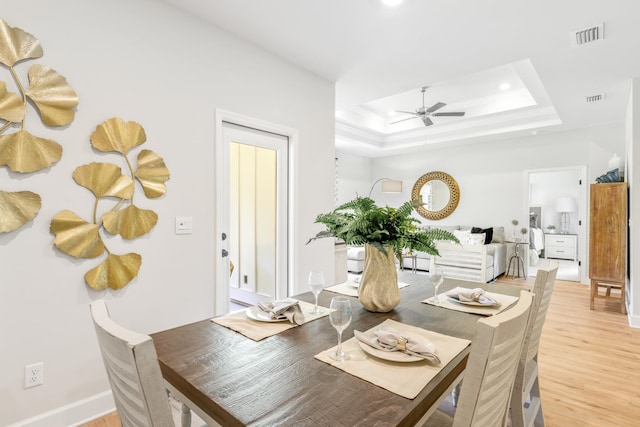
589, 363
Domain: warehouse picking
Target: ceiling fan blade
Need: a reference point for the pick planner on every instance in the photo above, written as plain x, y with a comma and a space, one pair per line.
427, 121
435, 107
404, 120
405, 112
451, 114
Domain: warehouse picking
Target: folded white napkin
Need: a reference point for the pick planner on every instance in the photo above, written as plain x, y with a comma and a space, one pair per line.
285, 309
390, 340
473, 295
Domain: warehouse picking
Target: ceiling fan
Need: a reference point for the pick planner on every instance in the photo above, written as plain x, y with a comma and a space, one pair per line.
425, 113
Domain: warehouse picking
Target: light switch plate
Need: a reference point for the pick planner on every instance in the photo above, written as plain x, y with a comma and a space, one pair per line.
184, 225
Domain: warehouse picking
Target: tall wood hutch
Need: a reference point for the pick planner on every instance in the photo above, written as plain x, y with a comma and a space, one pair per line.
608, 219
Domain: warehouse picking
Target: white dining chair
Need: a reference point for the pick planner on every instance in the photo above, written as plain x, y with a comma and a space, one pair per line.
526, 408
490, 373
134, 374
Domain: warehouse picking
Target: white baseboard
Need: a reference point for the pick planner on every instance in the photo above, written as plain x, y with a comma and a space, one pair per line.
634, 321
73, 414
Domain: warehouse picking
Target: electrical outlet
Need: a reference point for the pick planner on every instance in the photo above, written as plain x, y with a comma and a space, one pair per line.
33, 374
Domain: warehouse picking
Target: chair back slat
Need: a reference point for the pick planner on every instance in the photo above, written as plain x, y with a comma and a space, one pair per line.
132, 367
490, 372
526, 406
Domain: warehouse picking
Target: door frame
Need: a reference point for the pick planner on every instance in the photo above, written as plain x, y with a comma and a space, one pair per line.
221, 193
583, 204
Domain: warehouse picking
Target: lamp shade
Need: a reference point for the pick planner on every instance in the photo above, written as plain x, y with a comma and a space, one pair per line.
566, 204
388, 186
391, 186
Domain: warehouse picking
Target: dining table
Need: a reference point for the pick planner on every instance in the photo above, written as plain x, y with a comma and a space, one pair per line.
232, 380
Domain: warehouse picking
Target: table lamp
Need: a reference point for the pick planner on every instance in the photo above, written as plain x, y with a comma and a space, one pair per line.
565, 205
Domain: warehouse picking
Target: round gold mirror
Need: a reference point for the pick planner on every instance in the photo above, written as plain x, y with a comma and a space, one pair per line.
439, 194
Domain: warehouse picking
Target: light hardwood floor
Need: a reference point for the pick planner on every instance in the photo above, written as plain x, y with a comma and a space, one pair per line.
589, 363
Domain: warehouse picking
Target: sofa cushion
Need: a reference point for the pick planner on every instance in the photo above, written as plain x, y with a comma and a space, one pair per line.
498, 235
488, 232
355, 253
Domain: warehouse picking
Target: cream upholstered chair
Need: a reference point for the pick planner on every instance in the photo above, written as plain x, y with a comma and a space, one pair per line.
489, 376
526, 408
134, 374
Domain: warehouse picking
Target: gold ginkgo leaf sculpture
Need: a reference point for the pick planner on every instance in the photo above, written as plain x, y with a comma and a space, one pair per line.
17, 208
116, 272
55, 101
53, 96
75, 236
152, 174
116, 135
11, 106
24, 152
103, 180
81, 239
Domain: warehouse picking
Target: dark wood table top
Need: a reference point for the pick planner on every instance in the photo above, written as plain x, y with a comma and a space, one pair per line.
277, 381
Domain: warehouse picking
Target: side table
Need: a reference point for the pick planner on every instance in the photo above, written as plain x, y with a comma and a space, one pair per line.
414, 261
517, 261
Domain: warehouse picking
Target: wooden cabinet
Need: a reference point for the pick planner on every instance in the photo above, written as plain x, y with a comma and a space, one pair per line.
608, 241
562, 246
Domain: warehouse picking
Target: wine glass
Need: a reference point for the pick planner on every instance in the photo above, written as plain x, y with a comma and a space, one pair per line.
437, 277
340, 318
316, 284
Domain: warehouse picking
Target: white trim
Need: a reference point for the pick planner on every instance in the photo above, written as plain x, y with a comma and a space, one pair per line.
221, 292
73, 414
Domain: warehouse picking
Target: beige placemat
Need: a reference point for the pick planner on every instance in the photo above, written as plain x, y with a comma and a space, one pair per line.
239, 322
350, 288
405, 379
445, 302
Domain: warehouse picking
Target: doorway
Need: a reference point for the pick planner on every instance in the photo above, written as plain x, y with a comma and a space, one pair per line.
252, 206
555, 205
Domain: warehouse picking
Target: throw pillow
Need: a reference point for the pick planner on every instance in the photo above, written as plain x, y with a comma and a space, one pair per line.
498, 235
488, 232
476, 239
463, 236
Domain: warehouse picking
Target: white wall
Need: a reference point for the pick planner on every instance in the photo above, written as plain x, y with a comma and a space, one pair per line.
143, 61
632, 140
490, 175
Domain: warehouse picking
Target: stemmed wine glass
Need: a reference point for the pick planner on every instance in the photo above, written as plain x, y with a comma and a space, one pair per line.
340, 318
437, 277
316, 284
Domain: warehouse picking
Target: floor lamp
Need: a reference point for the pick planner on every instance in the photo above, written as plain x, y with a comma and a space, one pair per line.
565, 205
388, 186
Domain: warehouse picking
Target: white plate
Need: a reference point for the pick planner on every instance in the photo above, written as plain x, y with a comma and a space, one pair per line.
473, 303
255, 313
393, 356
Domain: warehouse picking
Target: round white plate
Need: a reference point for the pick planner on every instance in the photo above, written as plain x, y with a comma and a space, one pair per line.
473, 303
393, 356
255, 313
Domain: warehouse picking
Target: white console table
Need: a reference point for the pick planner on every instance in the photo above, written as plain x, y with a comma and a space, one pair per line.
561, 246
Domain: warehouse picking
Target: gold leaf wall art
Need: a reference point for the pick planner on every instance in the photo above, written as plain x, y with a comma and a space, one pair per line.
82, 239
22, 151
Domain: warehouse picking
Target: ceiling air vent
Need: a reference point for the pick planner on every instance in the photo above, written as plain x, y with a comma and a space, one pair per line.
595, 98
587, 35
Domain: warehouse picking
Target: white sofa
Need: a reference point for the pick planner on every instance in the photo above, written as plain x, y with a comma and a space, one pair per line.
355, 259
477, 262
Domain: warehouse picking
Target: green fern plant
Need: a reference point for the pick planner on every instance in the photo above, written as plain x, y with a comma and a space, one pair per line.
361, 221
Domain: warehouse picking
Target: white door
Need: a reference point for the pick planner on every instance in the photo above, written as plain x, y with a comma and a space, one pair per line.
256, 170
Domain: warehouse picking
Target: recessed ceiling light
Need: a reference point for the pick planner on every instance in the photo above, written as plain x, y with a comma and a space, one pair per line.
391, 113
391, 3
505, 86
